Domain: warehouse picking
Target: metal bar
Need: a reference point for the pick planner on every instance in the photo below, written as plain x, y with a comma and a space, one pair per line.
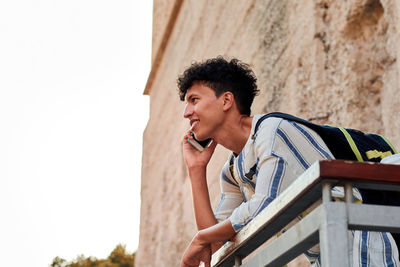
348, 192
272, 219
333, 236
304, 234
326, 192
290, 244
305, 191
374, 218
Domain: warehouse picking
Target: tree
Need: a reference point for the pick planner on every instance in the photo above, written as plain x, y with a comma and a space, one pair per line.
117, 258
58, 262
120, 257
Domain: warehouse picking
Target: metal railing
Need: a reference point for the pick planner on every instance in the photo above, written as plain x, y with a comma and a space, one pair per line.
327, 224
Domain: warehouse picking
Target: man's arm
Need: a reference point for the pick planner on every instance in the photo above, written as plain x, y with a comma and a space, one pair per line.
204, 215
197, 166
196, 163
201, 199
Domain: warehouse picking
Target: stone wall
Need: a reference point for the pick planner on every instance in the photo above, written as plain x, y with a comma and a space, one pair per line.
327, 61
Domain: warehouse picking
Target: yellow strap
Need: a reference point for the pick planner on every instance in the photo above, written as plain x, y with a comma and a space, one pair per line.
387, 141
352, 144
372, 154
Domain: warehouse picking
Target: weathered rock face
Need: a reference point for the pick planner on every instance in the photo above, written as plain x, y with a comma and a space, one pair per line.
328, 61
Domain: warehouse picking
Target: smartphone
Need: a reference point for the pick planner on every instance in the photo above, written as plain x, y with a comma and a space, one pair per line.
199, 145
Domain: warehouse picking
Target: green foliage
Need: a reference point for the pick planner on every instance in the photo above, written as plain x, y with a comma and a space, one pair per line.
58, 262
118, 258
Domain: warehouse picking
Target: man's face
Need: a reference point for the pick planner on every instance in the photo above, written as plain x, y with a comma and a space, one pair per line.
204, 110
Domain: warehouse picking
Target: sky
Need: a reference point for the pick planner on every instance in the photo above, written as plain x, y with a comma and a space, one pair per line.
72, 115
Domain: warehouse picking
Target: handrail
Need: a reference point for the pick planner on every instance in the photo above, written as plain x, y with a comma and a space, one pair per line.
312, 185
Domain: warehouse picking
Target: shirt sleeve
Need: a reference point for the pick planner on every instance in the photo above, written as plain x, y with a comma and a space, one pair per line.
271, 169
231, 196
267, 186
283, 151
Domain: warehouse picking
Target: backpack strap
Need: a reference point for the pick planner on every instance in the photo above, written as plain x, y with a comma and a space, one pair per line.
231, 163
352, 144
279, 115
389, 144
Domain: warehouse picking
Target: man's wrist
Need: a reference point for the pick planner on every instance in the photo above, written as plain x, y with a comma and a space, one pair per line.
195, 171
200, 238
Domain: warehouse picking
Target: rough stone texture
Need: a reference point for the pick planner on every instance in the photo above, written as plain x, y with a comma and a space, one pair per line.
161, 13
328, 61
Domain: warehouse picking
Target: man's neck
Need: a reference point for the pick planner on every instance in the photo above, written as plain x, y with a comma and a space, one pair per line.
235, 133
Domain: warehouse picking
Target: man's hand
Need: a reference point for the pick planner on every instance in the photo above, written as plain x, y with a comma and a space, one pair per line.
199, 249
196, 252
194, 158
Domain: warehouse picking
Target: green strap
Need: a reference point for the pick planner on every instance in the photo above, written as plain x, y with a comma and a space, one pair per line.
352, 144
387, 141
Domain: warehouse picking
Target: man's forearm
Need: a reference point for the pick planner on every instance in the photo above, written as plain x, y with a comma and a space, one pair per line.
201, 200
217, 234
199, 249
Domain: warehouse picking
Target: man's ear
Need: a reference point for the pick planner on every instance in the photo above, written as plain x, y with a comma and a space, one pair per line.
228, 100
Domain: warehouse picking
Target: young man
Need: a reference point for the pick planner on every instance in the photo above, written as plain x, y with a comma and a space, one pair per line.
219, 95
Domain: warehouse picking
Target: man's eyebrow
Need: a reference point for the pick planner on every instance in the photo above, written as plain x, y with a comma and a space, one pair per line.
190, 96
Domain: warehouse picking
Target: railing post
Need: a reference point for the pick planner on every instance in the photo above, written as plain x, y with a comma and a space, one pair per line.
348, 192
326, 192
238, 261
333, 236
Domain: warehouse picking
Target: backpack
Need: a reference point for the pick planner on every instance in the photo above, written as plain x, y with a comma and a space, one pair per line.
350, 144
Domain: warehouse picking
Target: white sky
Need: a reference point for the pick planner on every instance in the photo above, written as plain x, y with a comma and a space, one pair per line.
72, 115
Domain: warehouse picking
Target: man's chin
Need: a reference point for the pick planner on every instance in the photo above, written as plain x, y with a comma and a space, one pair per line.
200, 137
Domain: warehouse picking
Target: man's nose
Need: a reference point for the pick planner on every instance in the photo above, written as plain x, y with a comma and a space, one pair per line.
187, 111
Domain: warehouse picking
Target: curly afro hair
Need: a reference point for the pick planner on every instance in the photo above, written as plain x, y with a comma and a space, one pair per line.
222, 76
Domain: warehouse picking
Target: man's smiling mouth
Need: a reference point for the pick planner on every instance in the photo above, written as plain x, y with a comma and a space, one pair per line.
193, 123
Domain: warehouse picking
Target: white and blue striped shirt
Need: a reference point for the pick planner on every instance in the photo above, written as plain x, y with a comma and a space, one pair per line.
280, 152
